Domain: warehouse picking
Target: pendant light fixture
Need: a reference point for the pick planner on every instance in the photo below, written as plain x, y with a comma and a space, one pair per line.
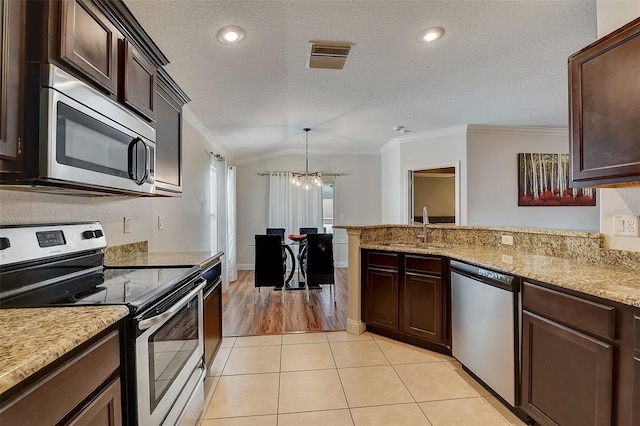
306, 179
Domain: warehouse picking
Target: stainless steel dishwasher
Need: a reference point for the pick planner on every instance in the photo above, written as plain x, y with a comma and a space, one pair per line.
485, 307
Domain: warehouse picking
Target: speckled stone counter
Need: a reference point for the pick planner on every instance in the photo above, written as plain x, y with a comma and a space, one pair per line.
30, 339
201, 259
605, 281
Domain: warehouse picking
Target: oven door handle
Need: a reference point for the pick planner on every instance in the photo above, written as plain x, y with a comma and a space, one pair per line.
159, 319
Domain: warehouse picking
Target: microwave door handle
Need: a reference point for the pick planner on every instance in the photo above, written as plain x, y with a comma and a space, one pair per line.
147, 163
133, 165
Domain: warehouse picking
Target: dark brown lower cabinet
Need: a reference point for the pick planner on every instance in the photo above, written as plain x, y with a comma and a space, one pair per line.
423, 306
212, 324
382, 298
84, 389
405, 298
567, 375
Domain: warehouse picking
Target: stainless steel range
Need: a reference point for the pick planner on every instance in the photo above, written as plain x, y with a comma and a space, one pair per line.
62, 265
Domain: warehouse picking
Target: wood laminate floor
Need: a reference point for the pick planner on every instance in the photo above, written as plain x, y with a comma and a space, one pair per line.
242, 317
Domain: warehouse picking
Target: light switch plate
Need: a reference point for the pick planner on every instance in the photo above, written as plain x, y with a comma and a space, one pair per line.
160, 223
127, 225
626, 226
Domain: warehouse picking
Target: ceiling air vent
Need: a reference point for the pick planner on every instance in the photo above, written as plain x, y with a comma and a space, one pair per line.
330, 55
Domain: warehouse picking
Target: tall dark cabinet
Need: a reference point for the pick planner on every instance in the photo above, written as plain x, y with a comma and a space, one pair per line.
604, 106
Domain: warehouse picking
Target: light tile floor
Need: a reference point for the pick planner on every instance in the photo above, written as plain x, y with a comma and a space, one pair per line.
335, 379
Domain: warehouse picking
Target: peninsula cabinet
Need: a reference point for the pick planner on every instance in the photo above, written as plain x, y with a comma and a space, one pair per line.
578, 359
12, 27
604, 110
405, 297
82, 389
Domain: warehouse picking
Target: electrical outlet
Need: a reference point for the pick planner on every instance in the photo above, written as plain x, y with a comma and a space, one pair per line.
507, 239
474, 217
127, 225
160, 223
626, 226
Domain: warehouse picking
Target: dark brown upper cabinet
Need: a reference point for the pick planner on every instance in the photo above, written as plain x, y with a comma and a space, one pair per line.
168, 103
604, 107
88, 42
138, 81
12, 25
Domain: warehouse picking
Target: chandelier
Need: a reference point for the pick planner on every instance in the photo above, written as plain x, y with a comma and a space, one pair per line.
307, 178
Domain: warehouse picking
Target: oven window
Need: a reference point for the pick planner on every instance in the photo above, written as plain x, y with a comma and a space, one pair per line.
170, 348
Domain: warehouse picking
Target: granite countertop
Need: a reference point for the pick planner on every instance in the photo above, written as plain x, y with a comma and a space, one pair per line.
201, 259
30, 339
607, 282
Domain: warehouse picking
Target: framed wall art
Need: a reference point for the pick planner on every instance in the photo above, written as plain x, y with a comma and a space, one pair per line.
543, 180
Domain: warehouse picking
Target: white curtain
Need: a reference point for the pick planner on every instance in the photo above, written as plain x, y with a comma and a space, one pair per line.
232, 269
292, 207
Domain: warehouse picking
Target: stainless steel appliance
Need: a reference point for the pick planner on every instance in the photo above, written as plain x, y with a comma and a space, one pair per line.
85, 140
62, 265
485, 326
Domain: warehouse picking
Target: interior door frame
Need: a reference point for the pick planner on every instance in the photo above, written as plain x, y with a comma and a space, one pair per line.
408, 189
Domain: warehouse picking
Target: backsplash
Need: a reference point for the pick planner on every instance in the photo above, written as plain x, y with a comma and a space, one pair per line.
581, 246
111, 254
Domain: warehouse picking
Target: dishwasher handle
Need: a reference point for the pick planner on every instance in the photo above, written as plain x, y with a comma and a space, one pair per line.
487, 276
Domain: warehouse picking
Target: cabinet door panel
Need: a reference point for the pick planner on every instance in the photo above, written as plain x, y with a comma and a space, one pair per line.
138, 81
212, 324
382, 298
604, 109
423, 306
88, 42
12, 33
636, 391
168, 142
104, 410
567, 376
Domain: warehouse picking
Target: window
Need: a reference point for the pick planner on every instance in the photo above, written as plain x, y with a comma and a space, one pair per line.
327, 207
213, 206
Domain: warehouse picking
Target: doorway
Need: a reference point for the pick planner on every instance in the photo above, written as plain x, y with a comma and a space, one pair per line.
437, 189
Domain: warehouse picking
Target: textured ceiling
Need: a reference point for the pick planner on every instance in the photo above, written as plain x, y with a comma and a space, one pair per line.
499, 62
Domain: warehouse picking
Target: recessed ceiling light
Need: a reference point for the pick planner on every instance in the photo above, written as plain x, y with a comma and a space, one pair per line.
230, 34
430, 34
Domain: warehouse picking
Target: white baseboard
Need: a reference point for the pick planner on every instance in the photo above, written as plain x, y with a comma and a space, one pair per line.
246, 266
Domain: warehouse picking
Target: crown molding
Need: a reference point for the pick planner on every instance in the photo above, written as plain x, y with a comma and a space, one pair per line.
415, 137
519, 130
214, 142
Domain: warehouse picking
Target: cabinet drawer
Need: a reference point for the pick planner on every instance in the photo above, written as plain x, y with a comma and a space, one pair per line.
417, 263
59, 393
586, 315
385, 260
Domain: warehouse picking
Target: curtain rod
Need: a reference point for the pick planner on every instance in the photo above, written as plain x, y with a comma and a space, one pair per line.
323, 174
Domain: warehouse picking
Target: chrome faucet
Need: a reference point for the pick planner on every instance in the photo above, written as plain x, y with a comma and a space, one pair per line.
425, 222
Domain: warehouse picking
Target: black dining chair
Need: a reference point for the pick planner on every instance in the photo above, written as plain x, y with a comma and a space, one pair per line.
319, 261
303, 243
270, 267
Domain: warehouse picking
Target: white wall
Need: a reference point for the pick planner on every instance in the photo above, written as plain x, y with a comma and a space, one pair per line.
437, 193
493, 179
185, 218
420, 151
626, 201
356, 195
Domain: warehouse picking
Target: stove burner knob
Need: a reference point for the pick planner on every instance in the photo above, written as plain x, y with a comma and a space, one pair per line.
88, 235
98, 233
4, 243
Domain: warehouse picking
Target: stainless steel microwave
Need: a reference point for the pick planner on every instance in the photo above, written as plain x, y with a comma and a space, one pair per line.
87, 142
